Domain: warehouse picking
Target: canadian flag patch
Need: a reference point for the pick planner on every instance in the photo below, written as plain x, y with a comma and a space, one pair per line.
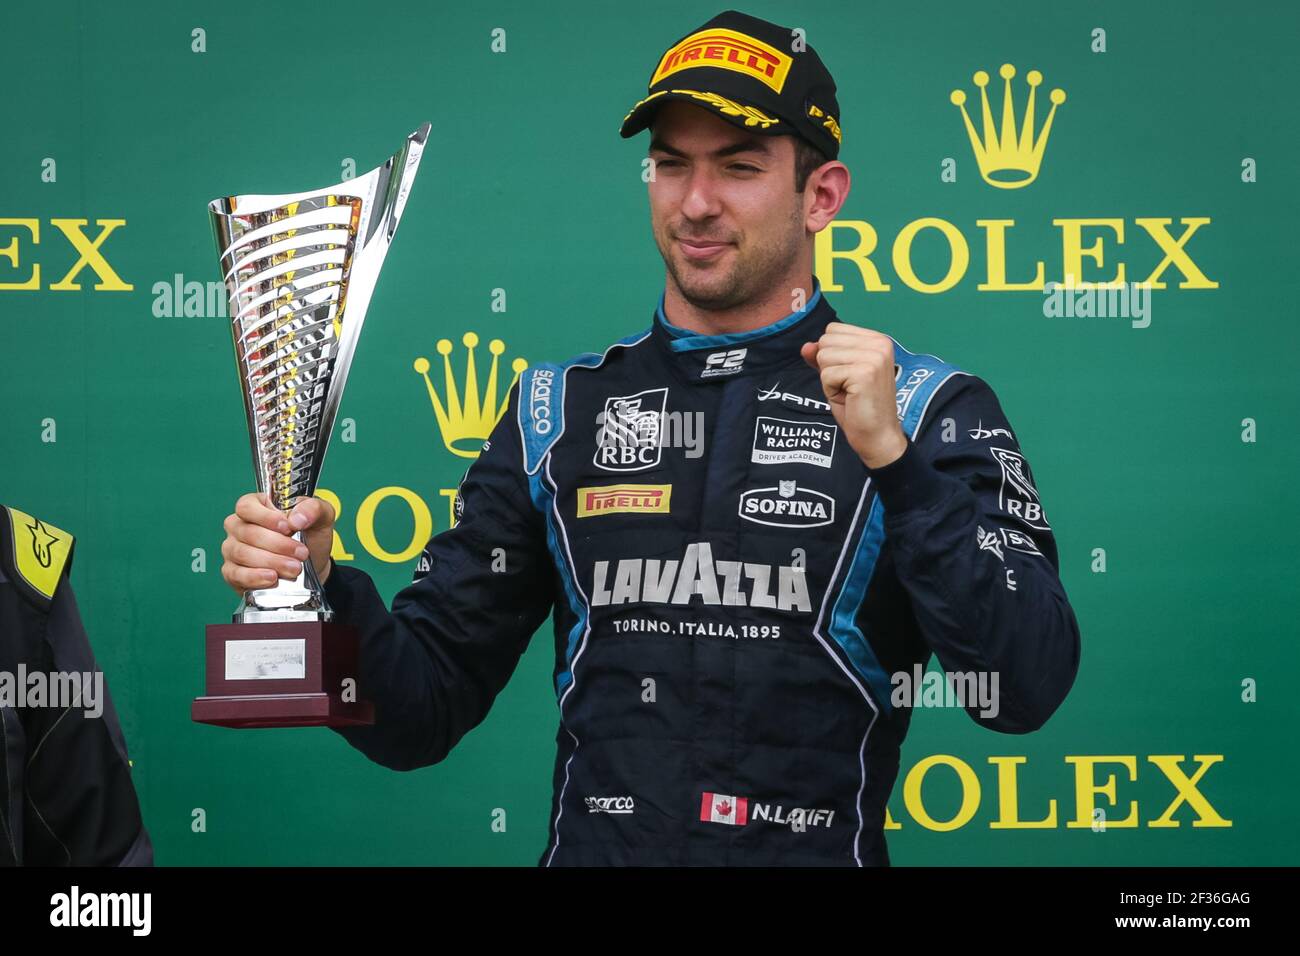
724, 808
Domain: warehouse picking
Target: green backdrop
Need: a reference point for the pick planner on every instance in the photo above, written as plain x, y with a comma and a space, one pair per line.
1136, 435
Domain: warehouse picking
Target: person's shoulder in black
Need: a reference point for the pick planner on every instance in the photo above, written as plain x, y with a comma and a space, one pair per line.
66, 794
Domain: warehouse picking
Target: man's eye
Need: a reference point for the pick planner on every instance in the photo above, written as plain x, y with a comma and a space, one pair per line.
744, 168
660, 163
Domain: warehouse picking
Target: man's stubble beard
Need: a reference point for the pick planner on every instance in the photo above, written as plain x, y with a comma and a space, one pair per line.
751, 275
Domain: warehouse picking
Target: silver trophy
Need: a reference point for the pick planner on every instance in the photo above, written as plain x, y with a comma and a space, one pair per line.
299, 271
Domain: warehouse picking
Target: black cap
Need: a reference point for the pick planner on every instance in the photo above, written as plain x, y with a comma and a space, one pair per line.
750, 73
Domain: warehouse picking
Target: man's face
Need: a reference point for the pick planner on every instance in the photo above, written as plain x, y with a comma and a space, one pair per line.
723, 208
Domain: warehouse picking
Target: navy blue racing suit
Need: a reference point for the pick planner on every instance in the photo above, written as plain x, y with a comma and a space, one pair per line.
733, 592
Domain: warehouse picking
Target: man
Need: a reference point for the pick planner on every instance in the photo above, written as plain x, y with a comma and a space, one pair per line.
66, 796
726, 623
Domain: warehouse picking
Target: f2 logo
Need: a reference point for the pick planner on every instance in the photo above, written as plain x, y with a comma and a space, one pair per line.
724, 363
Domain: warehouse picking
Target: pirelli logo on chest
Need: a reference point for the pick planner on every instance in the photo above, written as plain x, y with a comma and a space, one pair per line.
623, 499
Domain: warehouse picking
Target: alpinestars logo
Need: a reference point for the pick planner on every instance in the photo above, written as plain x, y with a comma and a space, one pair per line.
989, 541
630, 426
724, 363
1018, 497
721, 583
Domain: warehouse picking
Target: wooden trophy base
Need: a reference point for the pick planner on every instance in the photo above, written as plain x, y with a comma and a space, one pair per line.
285, 674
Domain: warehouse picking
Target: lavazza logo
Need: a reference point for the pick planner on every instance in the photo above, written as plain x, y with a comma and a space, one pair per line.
787, 506
696, 574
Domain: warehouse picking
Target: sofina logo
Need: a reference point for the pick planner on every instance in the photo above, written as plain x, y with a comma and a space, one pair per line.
465, 423
1007, 159
787, 506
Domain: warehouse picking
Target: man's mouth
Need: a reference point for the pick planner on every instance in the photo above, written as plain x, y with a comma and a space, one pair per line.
698, 249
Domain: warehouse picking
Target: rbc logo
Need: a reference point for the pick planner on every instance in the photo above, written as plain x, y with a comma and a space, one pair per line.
629, 432
1018, 496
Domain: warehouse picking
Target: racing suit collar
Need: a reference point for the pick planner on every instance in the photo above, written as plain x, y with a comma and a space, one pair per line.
706, 358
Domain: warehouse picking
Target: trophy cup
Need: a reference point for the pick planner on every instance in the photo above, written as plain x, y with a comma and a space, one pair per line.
299, 271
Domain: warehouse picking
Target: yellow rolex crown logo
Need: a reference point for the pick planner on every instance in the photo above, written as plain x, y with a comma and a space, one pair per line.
1006, 159
466, 424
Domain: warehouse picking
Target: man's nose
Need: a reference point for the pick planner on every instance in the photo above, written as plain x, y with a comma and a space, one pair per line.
700, 200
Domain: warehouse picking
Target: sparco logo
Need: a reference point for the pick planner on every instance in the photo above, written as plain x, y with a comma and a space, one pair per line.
630, 425
609, 804
787, 506
724, 363
539, 400
905, 392
726, 583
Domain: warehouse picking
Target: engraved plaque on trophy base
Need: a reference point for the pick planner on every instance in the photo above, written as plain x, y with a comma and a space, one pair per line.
282, 674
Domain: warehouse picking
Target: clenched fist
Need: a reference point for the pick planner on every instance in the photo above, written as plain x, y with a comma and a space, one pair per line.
857, 372
259, 547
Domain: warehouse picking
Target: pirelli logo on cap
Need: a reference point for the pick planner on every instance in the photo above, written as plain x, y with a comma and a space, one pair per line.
727, 50
623, 499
